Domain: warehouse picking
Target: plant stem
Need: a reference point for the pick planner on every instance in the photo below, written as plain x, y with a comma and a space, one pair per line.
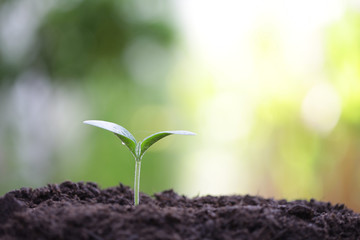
137, 182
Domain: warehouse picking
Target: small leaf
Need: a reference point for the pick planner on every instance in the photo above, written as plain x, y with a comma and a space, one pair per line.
150, 140
125, 136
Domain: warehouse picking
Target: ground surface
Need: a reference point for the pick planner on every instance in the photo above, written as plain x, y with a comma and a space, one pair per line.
84, 211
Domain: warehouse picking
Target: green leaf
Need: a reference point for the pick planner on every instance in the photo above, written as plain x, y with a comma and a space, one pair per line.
150, 140
125, 136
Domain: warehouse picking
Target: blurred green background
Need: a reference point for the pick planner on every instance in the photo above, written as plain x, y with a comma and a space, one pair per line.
271, 87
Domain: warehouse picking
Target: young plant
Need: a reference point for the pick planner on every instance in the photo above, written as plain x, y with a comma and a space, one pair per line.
136, 148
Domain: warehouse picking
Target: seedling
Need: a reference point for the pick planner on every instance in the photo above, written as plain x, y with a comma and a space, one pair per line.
136, 148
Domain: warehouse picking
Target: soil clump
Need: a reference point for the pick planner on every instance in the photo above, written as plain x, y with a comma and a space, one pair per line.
84, 211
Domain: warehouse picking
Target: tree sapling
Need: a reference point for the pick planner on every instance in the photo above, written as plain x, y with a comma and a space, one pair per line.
136, 148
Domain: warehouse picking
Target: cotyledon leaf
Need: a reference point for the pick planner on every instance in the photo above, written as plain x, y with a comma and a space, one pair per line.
150, 140
125, 136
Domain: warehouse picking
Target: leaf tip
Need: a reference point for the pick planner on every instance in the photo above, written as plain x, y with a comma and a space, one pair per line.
90, 122
181, 132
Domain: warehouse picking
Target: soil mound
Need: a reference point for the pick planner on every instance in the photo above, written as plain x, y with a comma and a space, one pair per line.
84, 211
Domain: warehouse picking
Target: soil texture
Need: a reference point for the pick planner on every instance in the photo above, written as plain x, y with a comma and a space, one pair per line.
84, 211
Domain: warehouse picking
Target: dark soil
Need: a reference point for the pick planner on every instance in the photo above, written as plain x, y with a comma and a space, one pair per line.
83, 211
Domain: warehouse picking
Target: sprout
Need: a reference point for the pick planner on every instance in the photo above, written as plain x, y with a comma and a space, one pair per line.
136, 148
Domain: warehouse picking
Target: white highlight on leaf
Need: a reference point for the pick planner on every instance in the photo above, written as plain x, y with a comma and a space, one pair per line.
112, 127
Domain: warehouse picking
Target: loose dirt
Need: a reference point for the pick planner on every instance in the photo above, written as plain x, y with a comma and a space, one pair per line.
84, 211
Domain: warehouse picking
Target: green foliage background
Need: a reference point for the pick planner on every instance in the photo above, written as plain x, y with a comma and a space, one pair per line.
128, 62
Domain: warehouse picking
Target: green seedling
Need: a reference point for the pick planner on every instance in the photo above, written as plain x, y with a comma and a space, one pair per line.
136, 148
